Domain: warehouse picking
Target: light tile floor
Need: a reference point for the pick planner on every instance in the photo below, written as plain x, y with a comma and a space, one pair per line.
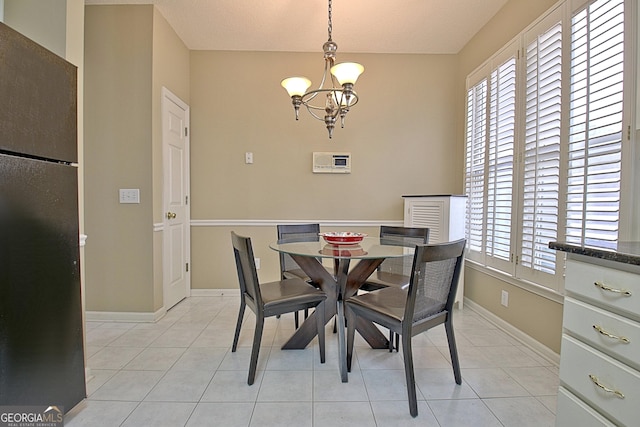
180, 371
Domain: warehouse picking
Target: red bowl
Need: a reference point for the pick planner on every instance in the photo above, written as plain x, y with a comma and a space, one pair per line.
343, 237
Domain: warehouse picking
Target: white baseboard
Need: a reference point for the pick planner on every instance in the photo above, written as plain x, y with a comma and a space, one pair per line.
530, 342
121, 316
215, 292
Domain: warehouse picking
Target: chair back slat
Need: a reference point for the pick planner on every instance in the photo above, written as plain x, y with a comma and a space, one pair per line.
246, 267
434, 280
295, 233
402, 236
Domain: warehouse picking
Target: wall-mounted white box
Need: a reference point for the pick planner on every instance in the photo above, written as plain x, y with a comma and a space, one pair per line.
129, 195
331, 162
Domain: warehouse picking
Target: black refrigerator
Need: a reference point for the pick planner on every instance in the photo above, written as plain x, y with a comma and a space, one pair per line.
41, 330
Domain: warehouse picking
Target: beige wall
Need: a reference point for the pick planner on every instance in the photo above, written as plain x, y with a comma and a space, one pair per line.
536, 316
43, 21
131, 53
118, 154
401, 137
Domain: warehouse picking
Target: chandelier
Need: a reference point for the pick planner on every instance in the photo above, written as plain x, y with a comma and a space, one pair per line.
339, 95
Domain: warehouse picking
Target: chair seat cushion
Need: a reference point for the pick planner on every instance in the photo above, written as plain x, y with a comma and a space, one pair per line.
289, 292
389, 302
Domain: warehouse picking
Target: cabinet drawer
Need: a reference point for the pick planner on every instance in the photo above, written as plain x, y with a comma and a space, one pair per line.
615, 335
582, 278
574, 412
579, 361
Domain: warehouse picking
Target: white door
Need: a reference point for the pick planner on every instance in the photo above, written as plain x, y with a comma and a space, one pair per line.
176, 230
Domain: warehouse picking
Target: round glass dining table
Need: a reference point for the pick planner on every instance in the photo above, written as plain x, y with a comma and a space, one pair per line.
344, 283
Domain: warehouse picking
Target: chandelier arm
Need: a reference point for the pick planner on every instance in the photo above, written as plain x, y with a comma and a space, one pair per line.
307, 97
327, 67
314, 115
313, 93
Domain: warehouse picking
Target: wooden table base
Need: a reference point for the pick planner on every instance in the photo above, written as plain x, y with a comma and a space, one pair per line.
345, 285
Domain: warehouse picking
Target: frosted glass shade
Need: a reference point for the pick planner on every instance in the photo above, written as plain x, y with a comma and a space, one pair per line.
296, 85
347, 72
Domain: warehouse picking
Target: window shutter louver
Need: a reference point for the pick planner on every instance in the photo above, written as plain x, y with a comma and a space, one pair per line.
475, 163
595, 135
541, 163
502, 113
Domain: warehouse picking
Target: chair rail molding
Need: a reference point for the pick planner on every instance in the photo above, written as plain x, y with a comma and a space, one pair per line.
274, 222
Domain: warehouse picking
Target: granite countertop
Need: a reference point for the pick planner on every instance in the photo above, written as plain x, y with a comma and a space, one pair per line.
625, 252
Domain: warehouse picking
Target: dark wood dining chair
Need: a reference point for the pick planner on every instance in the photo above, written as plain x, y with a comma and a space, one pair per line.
295, 233
395, 272
427, 302
271, 299
288, 267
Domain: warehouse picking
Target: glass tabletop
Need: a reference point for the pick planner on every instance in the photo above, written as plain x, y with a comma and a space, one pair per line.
369, 247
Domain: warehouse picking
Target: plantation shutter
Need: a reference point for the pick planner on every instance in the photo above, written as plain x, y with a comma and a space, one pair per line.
475, 165
541, 157
595, 135
500, 166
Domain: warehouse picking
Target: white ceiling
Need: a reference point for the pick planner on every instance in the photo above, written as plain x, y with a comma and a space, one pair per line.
366, 26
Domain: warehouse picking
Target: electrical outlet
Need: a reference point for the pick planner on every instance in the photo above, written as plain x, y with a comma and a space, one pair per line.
504, 298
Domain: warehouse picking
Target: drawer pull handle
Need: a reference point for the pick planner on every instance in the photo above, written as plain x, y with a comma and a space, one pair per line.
610, 289
594, 379
607, 334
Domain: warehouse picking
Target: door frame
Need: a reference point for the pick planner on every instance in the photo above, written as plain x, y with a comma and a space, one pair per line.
168, 96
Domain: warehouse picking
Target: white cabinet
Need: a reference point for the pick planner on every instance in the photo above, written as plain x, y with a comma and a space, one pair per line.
444, 216
600, 354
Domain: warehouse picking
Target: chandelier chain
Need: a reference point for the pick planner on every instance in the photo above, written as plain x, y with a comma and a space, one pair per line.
330, 26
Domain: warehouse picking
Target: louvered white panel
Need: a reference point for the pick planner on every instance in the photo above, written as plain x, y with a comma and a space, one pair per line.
430, 216
475, 165
500, 166
541, 192
595, 136
444, 216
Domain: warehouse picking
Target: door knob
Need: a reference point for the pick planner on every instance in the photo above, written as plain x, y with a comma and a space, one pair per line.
171, 215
